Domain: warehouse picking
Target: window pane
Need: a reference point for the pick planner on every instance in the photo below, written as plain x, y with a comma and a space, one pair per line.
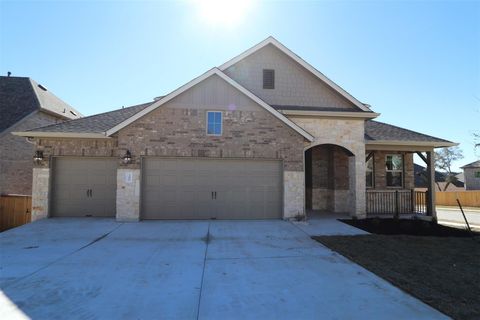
211, 128
394, 179
218, 128
211, 117
218, 117
394, 162
369, 179
370, 164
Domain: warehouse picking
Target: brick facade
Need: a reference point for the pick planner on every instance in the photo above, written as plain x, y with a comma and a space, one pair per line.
16, 162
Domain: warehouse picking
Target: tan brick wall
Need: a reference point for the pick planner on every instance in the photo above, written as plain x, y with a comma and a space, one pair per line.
294, 85
16, 161
380, 181
178, 128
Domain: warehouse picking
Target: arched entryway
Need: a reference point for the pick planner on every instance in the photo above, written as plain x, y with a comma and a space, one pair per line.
329, 180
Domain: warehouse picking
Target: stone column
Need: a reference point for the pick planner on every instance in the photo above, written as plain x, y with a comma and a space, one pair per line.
357, 184
128, 195
40, 193
293, 194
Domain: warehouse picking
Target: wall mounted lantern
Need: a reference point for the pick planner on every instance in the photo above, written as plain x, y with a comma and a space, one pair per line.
127, 158
38, 157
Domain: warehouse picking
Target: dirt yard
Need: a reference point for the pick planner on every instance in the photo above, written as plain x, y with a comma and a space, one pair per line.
443, 272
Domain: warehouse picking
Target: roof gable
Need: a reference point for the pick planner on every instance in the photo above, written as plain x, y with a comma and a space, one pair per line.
272, 41
20, 96
214, 71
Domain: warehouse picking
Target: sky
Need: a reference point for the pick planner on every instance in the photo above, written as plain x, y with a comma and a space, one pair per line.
417, 63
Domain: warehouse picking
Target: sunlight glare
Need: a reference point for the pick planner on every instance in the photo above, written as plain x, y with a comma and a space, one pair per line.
227, 13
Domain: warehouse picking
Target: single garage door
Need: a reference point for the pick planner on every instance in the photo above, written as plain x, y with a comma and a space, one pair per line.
211, 189
84, 187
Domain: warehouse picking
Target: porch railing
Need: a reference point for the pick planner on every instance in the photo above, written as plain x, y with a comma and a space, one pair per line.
395, 202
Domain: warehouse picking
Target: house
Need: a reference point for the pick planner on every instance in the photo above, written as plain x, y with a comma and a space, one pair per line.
421, 180
24, 104
471, 175
265, 135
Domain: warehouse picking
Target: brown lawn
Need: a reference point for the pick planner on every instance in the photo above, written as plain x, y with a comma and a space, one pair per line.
443, 272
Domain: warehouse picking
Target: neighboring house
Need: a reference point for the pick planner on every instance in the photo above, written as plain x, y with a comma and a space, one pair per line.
421, 182
471, 174
264, 135
24, 104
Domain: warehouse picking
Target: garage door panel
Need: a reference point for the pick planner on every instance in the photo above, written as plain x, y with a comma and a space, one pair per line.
182, 189
72, 177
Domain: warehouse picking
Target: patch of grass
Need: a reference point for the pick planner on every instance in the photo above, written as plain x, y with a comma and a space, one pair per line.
443, 272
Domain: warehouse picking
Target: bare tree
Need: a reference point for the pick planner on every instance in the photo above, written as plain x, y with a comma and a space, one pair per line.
444, 159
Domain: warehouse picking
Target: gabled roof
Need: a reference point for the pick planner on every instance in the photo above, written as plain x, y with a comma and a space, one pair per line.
106, 124
475, 164
206, 75
382, 133
20, 96
271, 40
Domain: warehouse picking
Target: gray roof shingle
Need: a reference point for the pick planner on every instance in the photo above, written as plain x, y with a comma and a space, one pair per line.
375, 130
313, 108
102, 122
20, 96
98, 123
475, 164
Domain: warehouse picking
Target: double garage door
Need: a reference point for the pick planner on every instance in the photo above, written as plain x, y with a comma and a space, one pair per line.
172, 188
211, 189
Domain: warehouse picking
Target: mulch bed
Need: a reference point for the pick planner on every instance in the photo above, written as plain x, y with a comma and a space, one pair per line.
407, 226
442, 271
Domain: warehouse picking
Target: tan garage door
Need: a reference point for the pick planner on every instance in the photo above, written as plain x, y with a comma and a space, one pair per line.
211, 189
84, 187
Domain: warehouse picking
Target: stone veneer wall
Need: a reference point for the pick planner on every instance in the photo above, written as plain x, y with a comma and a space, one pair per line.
40, 193
380, 181
349, 134
128, 194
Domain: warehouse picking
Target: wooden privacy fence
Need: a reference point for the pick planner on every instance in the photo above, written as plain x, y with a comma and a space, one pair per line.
449, 198
15, 211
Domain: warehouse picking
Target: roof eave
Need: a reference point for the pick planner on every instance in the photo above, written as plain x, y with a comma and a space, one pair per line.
40, 134
333, 114
432, 144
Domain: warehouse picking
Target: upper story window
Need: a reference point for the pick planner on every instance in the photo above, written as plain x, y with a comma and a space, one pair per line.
268, 79
394, 170
477, 174
369, 172
214, 123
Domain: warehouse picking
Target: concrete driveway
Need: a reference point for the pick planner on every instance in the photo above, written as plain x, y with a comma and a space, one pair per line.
100, 269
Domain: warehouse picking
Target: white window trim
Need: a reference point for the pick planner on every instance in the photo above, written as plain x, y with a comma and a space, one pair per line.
402, 171
221, 123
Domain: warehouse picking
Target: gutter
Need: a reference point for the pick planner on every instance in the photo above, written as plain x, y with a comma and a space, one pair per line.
39, 134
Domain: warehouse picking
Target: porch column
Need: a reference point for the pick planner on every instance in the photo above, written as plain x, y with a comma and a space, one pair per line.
431, 185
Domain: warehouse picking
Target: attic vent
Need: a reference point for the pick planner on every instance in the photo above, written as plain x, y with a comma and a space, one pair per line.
157, 98
42, 87
268, 79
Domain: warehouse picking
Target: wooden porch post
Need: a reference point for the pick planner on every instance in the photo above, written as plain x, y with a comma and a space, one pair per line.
431, 185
